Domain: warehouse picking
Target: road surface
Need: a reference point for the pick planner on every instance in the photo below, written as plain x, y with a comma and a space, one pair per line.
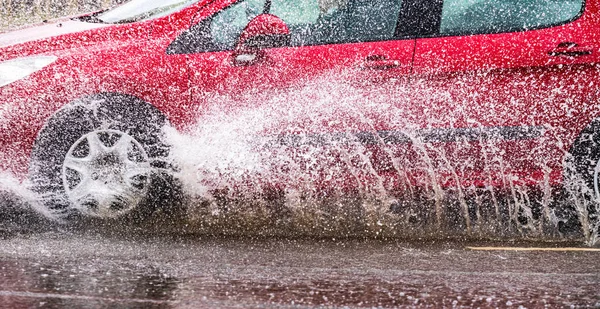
56, 270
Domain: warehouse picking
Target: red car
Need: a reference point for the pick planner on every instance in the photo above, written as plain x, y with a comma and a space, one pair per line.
363, 96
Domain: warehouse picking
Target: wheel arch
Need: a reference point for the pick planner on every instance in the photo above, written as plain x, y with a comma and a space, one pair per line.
120, 97
76, 111
127, 101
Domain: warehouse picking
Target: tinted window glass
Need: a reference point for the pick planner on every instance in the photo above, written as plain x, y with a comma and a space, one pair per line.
227, 25
338, 21
495, 16
312, 21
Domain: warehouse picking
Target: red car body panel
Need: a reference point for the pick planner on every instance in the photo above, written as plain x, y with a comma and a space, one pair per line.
513, 79
434, 84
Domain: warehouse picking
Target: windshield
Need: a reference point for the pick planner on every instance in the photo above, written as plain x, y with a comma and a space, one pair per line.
137, 10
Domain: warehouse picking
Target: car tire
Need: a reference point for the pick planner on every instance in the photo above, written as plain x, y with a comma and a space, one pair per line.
103, 157
582, 179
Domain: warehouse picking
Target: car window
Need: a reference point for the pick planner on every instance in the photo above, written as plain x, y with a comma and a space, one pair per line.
312, 22
296, 12
227, 25
339, 21
496, 16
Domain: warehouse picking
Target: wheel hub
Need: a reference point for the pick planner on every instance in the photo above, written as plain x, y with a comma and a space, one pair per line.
108, 167
106, 173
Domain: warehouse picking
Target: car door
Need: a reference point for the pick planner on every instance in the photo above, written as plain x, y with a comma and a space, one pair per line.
514, 76
327, 86
346, 46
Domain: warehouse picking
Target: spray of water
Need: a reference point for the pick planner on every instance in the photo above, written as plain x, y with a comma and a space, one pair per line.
314, 160
326, 158
20, 208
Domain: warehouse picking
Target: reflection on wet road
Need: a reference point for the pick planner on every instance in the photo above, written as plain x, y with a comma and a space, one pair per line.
56, 271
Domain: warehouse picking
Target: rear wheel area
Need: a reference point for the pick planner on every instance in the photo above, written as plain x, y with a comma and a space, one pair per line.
104, 157
583, 180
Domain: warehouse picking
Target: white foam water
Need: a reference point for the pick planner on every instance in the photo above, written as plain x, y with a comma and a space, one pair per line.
305, 162
21, 209
300, 156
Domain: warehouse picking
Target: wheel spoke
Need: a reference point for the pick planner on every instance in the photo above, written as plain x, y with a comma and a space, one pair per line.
95, 144
122, 147
136, 166
141, 171
105, 202
81, 165
131, 174
82, 189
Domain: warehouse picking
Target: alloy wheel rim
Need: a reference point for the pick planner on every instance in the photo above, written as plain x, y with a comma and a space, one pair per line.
106, 174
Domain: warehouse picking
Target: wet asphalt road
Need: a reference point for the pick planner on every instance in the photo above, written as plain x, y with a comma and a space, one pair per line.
74, 271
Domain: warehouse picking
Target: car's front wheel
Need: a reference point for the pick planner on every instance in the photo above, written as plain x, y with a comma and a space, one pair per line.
106, 173
100, 157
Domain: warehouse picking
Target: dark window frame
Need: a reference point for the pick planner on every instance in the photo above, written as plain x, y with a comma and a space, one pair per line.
421, 18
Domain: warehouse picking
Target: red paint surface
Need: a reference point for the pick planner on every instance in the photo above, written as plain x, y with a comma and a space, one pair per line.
487, 81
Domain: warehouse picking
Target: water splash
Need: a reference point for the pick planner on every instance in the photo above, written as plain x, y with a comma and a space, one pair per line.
321, 159
325, 158
20, 208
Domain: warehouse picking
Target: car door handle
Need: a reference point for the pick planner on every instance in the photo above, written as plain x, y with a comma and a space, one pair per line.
381, 65
569, 49
379, 62
570, 53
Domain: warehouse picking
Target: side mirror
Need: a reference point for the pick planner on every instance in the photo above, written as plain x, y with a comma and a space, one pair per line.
264, 31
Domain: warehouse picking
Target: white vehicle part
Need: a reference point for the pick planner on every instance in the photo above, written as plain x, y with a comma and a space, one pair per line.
106, 174
17, 69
